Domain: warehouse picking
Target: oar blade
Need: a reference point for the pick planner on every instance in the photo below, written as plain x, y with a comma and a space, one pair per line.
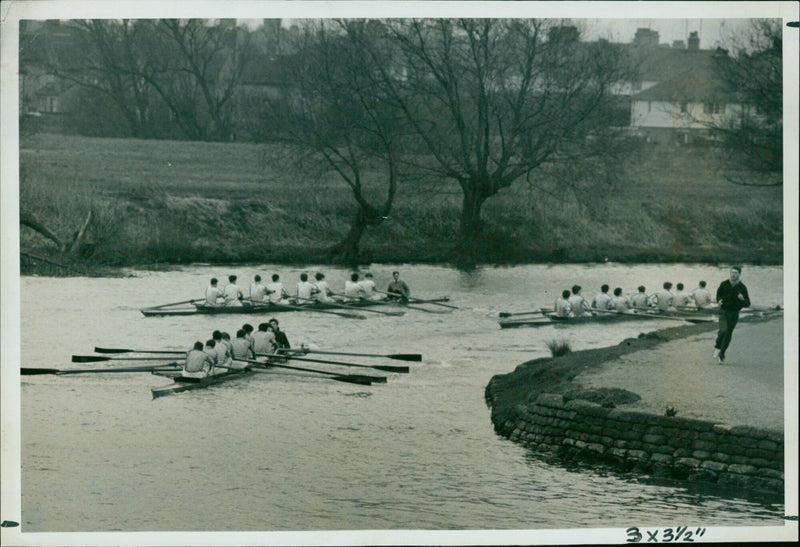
405, 356
388, 368
353, 380
89, 358
112, 350
36, 371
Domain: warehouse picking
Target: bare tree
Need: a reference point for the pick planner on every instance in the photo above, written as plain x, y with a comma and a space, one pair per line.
492, 101
753, 134
336, 119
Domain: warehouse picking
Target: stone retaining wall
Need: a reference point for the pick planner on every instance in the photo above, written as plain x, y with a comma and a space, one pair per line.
694, 450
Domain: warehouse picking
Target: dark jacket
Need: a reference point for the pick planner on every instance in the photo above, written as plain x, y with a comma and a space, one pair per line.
728, 294
281, 339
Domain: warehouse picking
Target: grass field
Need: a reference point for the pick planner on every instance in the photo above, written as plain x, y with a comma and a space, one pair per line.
180, 202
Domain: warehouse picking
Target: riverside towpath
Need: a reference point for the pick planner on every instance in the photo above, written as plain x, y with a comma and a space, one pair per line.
748, 389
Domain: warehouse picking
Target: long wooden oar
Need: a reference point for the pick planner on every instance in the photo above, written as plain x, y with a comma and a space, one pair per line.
123, 350
658, 316
37, 371
309, 308
100, 358
176, 303
350, 378
510, 314
420, 301
346, 307
396, 356
385, 368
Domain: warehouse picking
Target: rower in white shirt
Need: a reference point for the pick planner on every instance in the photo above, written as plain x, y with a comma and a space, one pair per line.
618, 302
680, 299
701, 296
600, 301
258, 292
353, 289
561, 306
578, 303
276, 291
232, 294
304, 289
663, 299
213, 293
368, 286
323, 292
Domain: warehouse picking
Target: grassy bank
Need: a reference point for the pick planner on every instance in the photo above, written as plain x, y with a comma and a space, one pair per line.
165, 202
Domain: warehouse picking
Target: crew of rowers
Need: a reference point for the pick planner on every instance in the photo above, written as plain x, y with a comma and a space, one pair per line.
306, 291
573, 304
220, 353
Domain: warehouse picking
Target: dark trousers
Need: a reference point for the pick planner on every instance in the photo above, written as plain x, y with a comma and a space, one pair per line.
727, 322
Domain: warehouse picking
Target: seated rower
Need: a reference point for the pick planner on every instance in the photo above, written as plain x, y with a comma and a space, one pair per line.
275, 290
618, 303
198, 363
222, 349
701, 296
398, 290
322, 292
600, 301
561, 306
258, 292
640, 300
681, 299
214, 295
241, 349
304, 289
264, 339
353, 289
232, 294
663, 299
578, 304
210, 349
368, 286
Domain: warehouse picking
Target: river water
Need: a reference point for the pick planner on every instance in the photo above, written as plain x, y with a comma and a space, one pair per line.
290, 452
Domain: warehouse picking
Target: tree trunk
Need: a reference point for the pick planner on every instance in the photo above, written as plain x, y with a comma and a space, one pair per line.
471, 223
348, 249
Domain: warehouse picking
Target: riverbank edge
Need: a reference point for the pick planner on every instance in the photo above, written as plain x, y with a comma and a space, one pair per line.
69, 266
538, 406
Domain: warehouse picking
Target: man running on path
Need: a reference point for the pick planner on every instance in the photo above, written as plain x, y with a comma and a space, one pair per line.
732, 296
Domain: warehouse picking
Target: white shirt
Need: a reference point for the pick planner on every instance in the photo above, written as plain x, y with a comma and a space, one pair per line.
578, 305
640, 301
662, 299
304, 289
368, 286
353, 289
601, 301
262, 341
562, 307
277, 291
681, 300
323, 294
701, 297
212, 294
232, 294
258, 292
618, 303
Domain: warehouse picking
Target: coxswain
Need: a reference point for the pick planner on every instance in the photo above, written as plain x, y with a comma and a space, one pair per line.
276, 291
618, 302
398, 290
322, 292
214, 294
600, 301
233, 295
578, 303
353, 289
280, 337
304, 289
198, 362
663, 300
640, 300
258, 292
561, 306
242, 350
701, 296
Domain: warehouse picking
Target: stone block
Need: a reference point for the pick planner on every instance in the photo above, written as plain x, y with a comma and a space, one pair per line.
704, 445
687, 462
770, 473
663, 449
721, 457
654, 439
662, 459
639, 455
597, 448
766, 444
714, 466
757, 453
701, 455
749, 432
620, 453
739, 469
739, 459
551, 400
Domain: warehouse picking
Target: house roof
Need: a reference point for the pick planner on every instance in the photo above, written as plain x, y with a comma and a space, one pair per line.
689, 89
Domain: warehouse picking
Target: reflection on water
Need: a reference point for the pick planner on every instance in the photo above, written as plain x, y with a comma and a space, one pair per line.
282, 451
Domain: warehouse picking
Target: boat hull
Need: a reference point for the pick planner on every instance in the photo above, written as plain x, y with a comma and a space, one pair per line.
200, 309
189, 384
611, 317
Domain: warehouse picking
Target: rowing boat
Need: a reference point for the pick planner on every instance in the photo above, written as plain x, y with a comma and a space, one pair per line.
269, 307
187, 384
609, 317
